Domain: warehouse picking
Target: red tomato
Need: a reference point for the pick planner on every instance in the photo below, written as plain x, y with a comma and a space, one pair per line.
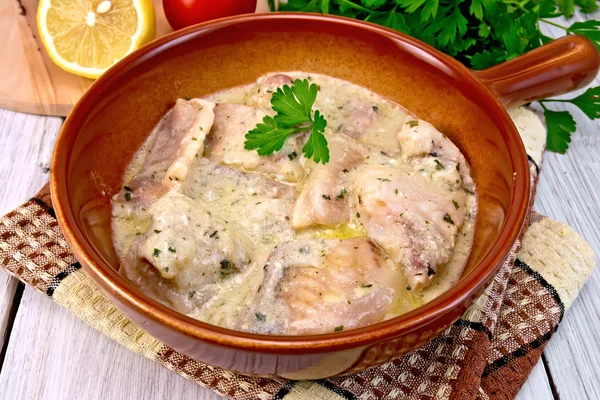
182, 13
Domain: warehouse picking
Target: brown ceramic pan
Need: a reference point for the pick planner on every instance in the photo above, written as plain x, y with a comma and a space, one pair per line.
116, 114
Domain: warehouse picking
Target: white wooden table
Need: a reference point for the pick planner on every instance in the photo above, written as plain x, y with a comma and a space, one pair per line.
48, 353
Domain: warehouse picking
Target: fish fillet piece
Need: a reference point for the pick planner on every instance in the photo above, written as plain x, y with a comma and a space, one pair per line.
225, 144
419, 138
188, 243
320, 285
175, 142
411, 217
324, 199
265, 87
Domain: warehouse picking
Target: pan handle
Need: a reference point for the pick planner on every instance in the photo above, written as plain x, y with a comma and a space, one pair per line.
558, 67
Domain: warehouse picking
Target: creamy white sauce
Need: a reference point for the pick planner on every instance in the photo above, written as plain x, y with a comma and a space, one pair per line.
208, 244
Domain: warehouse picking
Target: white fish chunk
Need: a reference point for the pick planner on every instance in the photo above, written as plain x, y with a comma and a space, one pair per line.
320, 285
413, 219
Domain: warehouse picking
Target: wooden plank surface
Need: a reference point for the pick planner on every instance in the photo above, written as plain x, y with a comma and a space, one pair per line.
569, 191
53, 355
537, 386
8, 307
26, 146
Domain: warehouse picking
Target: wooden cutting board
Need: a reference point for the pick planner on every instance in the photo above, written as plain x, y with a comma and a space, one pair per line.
30, 82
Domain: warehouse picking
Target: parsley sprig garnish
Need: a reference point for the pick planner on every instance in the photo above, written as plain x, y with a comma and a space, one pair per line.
480, 34
293, 105
561, 123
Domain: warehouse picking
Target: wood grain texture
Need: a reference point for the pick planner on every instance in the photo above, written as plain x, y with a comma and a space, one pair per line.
569, 191
31, 82
8, 287
52, 355
26, 145
537, 386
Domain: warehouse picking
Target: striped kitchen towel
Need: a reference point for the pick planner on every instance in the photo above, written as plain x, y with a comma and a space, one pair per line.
487, 354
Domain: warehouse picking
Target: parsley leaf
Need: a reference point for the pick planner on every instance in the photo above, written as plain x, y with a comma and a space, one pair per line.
560, 126
393, 19
476, 9
293, 105
589, 102
478, 33
567, 7
429, 10
487, 58
267, 137
589, 29
316, 145
587, 6
455, 24
410, 5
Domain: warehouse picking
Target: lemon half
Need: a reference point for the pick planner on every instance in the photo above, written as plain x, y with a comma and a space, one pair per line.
86, 37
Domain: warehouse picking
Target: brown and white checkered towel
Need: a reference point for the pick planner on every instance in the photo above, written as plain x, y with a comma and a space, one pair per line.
487, 354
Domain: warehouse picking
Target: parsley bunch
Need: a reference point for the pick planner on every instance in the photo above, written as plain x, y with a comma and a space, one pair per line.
294, 114
480, 34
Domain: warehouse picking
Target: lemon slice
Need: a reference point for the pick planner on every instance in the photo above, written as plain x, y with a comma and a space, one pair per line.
86, 37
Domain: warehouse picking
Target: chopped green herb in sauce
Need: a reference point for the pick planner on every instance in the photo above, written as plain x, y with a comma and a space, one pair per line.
156, 252
448, 219
260, 317
438, 165
430, 271
338, 328
413, 123
172, 250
